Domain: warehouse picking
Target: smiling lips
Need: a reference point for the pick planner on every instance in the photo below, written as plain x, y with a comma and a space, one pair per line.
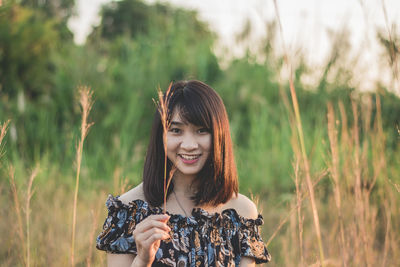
189, 159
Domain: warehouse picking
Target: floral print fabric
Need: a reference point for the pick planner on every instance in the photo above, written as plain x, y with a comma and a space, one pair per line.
202, 239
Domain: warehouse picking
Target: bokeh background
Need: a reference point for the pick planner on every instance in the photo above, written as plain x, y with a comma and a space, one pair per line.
325, 175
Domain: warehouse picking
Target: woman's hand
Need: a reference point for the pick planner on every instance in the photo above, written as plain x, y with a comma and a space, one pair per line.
148, 235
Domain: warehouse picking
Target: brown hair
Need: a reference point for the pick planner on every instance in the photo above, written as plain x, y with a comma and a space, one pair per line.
200, 105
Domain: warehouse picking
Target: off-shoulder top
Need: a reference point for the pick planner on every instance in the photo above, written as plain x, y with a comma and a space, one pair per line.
203, 239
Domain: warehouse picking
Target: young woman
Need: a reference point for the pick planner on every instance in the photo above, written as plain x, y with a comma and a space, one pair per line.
207, 222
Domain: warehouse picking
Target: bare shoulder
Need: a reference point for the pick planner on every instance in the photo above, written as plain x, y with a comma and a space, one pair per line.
133, 194
244, 206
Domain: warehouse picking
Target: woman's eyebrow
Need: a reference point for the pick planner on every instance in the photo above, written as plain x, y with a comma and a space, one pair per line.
178, 123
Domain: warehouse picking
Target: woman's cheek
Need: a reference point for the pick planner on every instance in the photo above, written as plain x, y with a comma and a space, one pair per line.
172, 146
207, 142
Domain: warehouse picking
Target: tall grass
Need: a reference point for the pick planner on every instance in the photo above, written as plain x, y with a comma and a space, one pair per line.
86, 103
357, 212
334, 171
18, 212
353, 236
29, 194
3, 131
162, 107
342, 208
300, 135
356, 194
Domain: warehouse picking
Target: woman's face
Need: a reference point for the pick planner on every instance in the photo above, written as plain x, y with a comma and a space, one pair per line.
188, 145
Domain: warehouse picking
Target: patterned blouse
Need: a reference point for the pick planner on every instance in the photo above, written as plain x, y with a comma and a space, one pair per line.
202, 239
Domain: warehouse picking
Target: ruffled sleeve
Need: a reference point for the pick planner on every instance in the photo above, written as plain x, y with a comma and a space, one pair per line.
121, 221
251, 243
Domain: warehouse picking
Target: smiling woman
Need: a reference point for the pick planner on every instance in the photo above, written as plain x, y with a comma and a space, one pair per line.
188, 146
207, 222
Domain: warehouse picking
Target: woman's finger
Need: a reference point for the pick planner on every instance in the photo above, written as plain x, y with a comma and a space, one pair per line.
153, 222
157, 237
159, 217
148, 234
143, 236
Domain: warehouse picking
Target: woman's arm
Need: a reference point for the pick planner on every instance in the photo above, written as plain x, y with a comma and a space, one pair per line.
247, 262
124, 260
246, 208
121, 260
147, 235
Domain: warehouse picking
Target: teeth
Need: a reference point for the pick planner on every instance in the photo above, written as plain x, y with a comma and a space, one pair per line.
191, 157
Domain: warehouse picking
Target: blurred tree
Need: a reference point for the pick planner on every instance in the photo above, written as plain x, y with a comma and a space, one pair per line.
391, 44
133, 17
61, 9
57, 10
26, 41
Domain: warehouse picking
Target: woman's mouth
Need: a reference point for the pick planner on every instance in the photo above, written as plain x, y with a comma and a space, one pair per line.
189, 159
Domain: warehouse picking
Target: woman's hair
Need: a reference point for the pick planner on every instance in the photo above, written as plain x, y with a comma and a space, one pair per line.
200, 105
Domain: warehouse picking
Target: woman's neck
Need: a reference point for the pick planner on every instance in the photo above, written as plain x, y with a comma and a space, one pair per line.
184, 185
181, 200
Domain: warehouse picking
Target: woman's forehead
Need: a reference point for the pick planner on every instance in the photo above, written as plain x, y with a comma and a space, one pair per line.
186, 116
178, 119
176, 116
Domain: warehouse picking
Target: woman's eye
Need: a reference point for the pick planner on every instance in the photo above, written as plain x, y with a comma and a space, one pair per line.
174, 130
203, 130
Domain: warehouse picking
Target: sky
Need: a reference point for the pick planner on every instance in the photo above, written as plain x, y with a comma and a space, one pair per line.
307, 24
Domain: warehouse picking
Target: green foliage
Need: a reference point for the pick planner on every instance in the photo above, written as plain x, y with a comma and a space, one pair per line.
136, 48
59, 9
26, 41
134, 17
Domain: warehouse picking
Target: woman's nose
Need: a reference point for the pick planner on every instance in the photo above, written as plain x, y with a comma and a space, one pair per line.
189, 142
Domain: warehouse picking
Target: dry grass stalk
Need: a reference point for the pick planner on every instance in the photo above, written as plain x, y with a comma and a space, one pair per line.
380, 139
392, 49
380, 170
162, 107
302, 145
360, 209
123, 185
308, 176
303, 195
396, 186
367, 182
346, 147
292, 232
116, 179
388, 214
300, 217
120, 185
3, 131
256, 200
95, 216
358, 212
334, 170
29, 195
86, 103
18, 210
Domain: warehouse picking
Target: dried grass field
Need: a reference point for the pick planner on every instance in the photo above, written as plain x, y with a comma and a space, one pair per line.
322, 161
